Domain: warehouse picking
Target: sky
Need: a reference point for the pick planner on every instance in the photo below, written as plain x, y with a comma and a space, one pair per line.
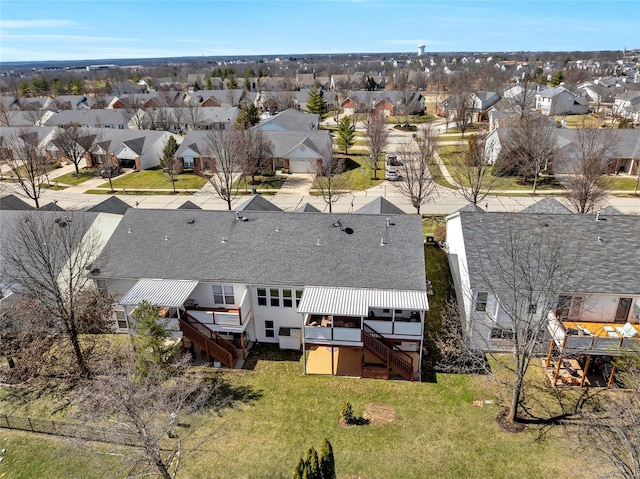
97, 29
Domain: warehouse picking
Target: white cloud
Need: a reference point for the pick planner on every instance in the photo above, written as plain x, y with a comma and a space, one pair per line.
27, 24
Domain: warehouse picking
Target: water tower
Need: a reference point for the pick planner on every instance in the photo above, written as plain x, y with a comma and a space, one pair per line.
420, 50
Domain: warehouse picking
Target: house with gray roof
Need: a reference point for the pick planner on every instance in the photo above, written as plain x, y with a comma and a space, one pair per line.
324, 283
560, 101
595, 311
290, 119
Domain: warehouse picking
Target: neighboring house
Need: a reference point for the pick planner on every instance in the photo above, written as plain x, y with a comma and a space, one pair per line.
627, 105
600, 317
560, 101
98, 227
183, 119
218, 98
67, 102
389, 102
118, 119
335, 286
136, 149
305, 80
625, 161
481, 101
13, 137
290, 119
157, 99
294, 151
25, 118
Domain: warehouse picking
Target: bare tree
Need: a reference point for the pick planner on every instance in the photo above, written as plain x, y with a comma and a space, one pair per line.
5, 114
585, 166
473, 172
258, 151
191, 115
460, 103
53, 261
611, 429
526, 265
149, 407
416, 183
74, 143
28, 162
529, 148
522, 101
329, 181
377, 136
225, 150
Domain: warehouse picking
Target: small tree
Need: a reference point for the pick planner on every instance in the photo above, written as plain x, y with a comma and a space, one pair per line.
168, 161
586, 166
28, 163
377, 136
151, 337
258, 151
327, 462
416, 183
74, 143
329, 180
472, 171
247, 116
316, 102
346, 134
225, 151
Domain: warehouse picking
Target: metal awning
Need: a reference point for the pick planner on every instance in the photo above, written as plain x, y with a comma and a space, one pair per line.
357, 301
167, 293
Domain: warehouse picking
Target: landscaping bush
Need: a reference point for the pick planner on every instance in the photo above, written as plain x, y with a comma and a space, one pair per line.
56, 165
268, 173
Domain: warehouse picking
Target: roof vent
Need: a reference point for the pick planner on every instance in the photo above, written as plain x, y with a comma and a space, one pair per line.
598, 216
349, 231
390, 223
166, 237
129, 230
382, 242
318, 242
191, 221
600, 239
223, 241
337, 224
277, 229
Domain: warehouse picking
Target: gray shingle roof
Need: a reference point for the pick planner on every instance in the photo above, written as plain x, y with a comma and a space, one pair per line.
605, 265
257, 203
13, 203
189, 205
380, 206
307, 208
548, 205
269, 248
51, 207
113, 205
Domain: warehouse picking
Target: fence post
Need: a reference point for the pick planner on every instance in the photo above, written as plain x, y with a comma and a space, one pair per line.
55, 431
6, 418
30, 425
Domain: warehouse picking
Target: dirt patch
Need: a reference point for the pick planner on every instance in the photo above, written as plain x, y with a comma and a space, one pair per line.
514, 427
379, 414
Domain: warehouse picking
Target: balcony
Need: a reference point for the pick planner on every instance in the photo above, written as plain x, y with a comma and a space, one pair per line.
333, 328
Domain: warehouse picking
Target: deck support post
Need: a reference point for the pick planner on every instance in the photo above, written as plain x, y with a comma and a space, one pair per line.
613, 373
557, 370
244, 351
333, 372
585, 370
548, 361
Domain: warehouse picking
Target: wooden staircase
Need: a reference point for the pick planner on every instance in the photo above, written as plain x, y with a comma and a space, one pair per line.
391, 356
210, 341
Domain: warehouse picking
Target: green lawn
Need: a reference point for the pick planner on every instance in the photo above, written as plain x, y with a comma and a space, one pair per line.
394, 120
156, 179
436, 432
72, 180
622, 183
451, 153
355, 177
267, 182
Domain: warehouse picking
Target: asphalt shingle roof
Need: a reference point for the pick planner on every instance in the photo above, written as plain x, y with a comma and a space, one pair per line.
268, 248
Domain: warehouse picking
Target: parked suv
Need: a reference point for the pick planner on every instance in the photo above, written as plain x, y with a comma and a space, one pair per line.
391, 168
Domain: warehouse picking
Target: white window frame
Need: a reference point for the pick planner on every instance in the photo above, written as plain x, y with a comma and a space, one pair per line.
223, 294
484, 302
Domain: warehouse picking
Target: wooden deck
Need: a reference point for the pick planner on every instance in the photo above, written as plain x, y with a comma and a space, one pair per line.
570, 373
599, 330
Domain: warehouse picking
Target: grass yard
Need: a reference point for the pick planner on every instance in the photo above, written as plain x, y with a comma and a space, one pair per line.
622, 183
71, 179
413, 119
274, 182
436, 432
156, 179
355, 177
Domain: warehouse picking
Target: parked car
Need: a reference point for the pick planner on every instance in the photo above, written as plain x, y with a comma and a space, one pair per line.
391, 167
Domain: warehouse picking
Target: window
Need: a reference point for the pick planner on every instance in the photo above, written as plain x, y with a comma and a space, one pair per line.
188, 162
268, 329
101, 285
298, 297
121, 318
223, 294
501, 333
569, 306
262, 296
287, 298
481, 301
533, 308
274, 297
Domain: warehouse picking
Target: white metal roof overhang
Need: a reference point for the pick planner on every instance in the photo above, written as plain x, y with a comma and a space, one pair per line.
170, 293
357, 301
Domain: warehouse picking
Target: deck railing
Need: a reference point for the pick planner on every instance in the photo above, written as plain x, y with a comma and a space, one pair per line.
212, 343
388, 352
